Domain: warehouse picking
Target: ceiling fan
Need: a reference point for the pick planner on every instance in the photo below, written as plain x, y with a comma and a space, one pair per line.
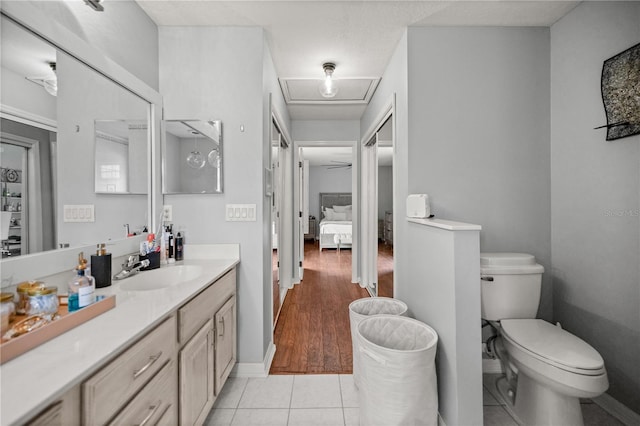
338, 165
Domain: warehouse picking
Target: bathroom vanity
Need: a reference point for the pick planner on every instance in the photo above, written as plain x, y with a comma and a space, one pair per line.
161, 356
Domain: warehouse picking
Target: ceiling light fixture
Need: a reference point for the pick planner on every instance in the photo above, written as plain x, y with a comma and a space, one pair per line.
328, 88
95, 5
51, 84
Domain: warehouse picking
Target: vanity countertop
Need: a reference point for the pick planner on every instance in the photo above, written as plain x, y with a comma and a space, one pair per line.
33, 380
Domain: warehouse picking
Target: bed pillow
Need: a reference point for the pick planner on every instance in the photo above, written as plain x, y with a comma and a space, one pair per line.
339, 216
342, 209
328, 213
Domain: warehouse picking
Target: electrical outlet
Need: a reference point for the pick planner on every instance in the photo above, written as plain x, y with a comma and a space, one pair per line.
167, 213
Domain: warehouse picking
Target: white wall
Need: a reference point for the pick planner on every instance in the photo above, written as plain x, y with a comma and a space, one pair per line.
20, 93
479, 134
595, 189
325, 130
203, 77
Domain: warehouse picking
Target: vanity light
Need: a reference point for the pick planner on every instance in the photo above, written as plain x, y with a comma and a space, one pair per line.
214, 158
95, 5
328, 88
195, 160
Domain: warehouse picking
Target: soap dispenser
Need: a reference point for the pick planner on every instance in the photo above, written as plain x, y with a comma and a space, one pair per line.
81, 288
101, 266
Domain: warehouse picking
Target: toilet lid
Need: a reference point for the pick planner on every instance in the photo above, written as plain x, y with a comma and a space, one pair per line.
553, 344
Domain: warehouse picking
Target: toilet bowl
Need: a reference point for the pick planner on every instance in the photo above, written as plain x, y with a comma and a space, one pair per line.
555, 368
547, 368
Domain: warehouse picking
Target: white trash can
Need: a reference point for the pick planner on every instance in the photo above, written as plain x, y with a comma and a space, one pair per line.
363, 308
398, 385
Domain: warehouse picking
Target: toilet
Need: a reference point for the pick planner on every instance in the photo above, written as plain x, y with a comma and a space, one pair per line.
547, 369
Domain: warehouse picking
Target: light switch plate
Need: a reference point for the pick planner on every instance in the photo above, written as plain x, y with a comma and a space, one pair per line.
79, 213
240, 213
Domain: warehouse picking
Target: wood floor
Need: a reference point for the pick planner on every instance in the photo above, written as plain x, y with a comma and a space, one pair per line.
313, 335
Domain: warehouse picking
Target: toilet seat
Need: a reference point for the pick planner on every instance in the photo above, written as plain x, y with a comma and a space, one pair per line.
553, 345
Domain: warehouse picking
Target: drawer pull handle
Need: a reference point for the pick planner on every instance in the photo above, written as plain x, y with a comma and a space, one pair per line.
152, 411
144, 368
490, 279
221, 322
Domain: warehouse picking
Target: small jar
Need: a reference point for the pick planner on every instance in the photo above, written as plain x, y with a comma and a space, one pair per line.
7, 311
23, 294
42, 301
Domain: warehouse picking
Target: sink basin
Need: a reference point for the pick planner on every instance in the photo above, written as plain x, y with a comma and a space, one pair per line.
161, 278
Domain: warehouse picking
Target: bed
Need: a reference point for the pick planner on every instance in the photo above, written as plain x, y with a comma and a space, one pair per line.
335, 230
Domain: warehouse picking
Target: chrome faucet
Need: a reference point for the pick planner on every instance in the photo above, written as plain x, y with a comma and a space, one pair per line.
131, 267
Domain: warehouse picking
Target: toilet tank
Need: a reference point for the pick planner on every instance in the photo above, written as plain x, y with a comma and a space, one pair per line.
510, 285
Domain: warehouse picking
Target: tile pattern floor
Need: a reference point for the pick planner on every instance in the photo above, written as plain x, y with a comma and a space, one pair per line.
331, 400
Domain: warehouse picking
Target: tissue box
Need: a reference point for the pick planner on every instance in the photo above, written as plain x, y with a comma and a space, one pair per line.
418, 206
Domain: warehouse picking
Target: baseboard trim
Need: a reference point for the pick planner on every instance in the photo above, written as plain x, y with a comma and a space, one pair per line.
617, 409
491, 366
257, 369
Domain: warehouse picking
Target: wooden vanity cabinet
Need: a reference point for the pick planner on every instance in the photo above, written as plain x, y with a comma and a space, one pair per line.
207, 335
119, 385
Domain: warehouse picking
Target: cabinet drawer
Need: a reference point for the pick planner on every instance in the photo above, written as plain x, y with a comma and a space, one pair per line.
201, 308
156, 403
108, 390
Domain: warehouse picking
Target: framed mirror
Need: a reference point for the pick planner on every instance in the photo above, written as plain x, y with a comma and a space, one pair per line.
120, 163
192, 159
55, 93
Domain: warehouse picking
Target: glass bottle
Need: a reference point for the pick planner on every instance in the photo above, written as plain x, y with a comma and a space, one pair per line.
81, 288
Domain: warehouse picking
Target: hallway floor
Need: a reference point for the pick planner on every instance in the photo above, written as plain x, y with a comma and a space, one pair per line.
312, 334
329, 400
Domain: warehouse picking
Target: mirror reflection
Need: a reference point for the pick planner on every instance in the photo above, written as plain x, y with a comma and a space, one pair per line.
50, 102
192, 157
121, 156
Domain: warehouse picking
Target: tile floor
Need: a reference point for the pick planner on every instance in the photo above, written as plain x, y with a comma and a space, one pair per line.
330, 400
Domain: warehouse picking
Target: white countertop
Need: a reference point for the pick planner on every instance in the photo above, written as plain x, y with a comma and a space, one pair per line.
35, 379
448, 225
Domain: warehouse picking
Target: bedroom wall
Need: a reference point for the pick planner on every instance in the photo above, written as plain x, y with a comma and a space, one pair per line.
322, 179
325, 130
595, 190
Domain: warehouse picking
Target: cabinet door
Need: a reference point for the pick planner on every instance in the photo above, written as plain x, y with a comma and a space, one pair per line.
196, 376
225, 342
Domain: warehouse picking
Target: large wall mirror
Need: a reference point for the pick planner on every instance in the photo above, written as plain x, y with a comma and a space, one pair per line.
59, 111
192, 158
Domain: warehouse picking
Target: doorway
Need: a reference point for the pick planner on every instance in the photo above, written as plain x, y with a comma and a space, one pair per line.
278, 236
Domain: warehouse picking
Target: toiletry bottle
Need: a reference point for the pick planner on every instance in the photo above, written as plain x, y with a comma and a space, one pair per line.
81, 288
171, 245
179, 243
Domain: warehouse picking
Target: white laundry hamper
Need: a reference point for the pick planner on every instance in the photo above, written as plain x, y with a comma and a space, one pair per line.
398, 385
366, 307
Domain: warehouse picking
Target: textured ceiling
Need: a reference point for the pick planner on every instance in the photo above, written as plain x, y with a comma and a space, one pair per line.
359, 36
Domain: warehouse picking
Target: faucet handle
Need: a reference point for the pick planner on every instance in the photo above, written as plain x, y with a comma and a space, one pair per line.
132, 260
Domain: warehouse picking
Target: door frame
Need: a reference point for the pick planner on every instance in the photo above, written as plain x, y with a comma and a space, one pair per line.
298, 237
369, 191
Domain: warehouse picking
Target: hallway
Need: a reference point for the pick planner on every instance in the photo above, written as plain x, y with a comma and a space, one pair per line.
313, 333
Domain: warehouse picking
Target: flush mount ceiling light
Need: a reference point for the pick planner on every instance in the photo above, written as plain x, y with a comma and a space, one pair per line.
328, 88
50, 83
95, 5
